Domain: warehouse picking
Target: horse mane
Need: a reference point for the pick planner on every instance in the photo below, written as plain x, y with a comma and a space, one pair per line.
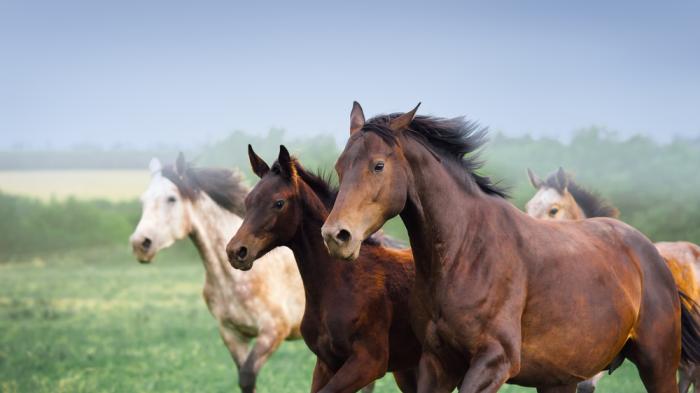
319, 182
449, 139
592, 204
224, 186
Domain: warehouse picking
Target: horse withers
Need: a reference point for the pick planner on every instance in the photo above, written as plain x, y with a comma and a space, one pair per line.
357, 318
206, 204
510, 298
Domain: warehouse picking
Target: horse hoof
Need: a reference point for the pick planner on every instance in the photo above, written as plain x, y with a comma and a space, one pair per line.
246, 381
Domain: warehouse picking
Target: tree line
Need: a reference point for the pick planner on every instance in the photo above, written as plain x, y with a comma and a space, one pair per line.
655, 186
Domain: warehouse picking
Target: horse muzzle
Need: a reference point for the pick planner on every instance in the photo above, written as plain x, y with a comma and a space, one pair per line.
340, 242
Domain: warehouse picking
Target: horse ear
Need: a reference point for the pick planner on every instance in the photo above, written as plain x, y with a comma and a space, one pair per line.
180, 164
357, 118
534, 179
259, 166
402, 122
155, 166
284, 160
562, 179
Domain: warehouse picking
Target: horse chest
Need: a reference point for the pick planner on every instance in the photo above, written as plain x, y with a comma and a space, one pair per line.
329, 339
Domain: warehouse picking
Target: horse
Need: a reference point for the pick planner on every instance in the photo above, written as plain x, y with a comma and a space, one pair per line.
206, 204
559, 197
511, 299
357, 315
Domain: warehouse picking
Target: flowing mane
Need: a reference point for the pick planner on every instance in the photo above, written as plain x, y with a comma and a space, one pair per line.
449, 139
592, 204
224, 186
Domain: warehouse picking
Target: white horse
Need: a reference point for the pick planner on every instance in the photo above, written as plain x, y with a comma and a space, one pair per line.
206, 204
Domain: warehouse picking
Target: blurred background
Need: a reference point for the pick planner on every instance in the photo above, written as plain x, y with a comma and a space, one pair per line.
91, 91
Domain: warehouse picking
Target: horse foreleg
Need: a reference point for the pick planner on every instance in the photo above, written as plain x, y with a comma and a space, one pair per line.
406, 380
322, 374
368, 389
265, 344
433, 377
359, 370
683, 380
588, 386
237, 346
489, 370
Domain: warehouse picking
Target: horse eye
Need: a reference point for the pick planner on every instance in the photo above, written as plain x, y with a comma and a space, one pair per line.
171, 199
279, 203
378, 167
553, 211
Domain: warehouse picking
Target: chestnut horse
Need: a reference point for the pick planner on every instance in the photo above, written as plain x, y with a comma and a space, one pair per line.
357, 315
206, 204
559, 197
511, 298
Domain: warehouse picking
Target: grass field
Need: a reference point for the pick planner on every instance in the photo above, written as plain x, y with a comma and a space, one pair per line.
97, 321
113, 185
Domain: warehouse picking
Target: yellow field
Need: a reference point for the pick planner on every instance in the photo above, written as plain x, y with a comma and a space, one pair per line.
114, 185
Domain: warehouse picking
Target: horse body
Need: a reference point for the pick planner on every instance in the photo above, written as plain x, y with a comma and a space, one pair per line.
510, 298
528, 320
265, 304
356, 308
558, 198
357, 314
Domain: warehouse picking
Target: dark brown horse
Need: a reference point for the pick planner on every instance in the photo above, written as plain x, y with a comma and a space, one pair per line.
511, 298
357, 315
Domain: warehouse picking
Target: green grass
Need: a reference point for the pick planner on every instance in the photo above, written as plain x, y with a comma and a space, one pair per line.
97, 321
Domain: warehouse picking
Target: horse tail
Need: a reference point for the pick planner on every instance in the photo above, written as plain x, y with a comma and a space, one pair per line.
690, 330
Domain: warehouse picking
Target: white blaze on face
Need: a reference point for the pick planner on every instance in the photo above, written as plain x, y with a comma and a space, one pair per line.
164, 216
546, 204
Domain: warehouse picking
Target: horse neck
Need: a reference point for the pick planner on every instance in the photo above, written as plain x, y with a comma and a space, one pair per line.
313, 260
212, 226
440, 224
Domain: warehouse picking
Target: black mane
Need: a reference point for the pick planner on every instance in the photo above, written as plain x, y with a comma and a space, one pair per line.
592, 204
450, 139
224, 186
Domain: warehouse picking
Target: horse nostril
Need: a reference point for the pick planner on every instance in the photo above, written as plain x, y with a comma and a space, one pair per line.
242, 253
343, 236
146, 243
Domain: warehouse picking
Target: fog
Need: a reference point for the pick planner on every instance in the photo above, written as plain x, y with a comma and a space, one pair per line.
135, 74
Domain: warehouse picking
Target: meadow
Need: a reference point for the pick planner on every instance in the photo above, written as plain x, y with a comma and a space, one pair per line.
79, 314
97, 321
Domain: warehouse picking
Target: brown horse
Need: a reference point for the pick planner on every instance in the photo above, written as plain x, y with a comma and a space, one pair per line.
511, 298
357, 315
559, 197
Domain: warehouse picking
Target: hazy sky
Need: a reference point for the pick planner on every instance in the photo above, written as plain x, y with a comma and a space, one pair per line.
145, 72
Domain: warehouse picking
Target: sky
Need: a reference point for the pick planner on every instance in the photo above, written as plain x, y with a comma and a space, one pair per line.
151, 73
